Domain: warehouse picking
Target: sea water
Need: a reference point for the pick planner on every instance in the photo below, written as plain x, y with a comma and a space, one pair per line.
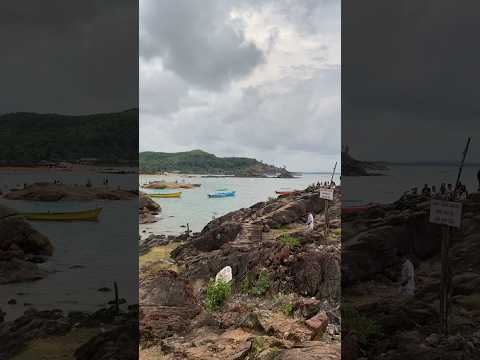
87, 256
197, 209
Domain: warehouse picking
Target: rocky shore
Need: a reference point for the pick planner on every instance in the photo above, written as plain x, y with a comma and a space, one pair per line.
21, 249
285, 292
398, 327
147, 209
55, 192
103, 334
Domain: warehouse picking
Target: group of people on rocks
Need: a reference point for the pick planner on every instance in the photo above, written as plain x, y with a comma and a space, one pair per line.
325, 184
444, 191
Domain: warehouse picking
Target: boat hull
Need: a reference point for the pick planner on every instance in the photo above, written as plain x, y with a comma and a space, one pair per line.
222, 194
170, 195
85, 215
286, 192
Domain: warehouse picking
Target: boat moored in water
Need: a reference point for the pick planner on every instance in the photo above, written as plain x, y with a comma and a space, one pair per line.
166, 195
83, 215
221, 194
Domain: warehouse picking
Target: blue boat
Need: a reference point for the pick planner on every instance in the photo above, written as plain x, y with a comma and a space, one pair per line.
221, 194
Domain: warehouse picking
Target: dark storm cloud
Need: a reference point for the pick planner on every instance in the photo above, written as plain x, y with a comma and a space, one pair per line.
71, 57
194, 41
411, 67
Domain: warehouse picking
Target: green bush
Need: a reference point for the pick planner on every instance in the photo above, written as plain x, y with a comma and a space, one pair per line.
287, 309
217, 293
360, 325
261, 285
290, 241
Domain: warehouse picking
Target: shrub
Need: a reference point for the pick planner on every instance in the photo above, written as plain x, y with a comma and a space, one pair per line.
289, 241
287, 309
360, 325
217, 293
261, 285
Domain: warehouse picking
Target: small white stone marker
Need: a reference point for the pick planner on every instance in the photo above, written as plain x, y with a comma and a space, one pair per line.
224, 275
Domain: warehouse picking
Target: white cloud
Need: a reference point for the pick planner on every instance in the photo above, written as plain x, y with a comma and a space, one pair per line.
204, 85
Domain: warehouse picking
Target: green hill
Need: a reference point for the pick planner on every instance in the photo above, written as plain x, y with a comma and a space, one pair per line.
31, 137
201, 162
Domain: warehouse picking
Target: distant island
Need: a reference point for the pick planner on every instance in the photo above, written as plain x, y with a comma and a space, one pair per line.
31, 138
354, 167
201, 162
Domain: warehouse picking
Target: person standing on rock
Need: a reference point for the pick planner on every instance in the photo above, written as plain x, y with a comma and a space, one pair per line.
310, 222
407, 280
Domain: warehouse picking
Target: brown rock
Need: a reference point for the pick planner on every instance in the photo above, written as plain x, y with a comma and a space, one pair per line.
318, 324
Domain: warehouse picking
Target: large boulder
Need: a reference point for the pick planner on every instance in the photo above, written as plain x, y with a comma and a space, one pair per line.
15, 231
21, 247
214, 239
167, 304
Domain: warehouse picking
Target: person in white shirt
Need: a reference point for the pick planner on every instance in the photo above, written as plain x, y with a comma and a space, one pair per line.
310, 222
407, 279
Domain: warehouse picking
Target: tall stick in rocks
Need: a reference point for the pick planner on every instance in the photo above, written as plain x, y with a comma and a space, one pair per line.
447, 232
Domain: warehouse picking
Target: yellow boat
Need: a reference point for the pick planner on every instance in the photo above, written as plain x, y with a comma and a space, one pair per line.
166, 195
84, 215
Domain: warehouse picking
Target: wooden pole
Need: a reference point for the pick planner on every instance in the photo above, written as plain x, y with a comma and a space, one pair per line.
326, 219
445, 260
117, 304
333, 172
444, 283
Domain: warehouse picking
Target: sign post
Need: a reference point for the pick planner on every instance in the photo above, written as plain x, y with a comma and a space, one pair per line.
327, 194
448, 214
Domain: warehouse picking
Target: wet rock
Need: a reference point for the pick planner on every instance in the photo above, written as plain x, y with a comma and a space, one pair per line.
17, 270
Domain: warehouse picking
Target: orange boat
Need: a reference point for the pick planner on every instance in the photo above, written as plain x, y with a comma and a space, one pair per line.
286, 192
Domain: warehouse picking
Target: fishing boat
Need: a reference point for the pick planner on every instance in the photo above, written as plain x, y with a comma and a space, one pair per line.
285, 192
358, 208
83, 215
166, 195
221, 194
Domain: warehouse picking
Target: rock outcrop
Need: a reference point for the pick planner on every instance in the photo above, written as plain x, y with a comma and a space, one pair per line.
55, 192
21, 248
286, 287
373, 243
147, 209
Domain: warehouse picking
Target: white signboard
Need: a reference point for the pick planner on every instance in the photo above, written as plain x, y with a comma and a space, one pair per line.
446, 213
326, 194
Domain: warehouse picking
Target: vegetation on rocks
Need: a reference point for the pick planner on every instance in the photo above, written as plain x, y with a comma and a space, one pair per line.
55, 137
216, 294
201, 162
289, 241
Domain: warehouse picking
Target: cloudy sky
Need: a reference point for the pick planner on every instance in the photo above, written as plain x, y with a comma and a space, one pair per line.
410, 79
68, 56
242, 78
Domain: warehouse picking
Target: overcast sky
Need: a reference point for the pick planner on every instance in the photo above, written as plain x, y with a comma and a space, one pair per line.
242, 78
410, 79
68, 56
